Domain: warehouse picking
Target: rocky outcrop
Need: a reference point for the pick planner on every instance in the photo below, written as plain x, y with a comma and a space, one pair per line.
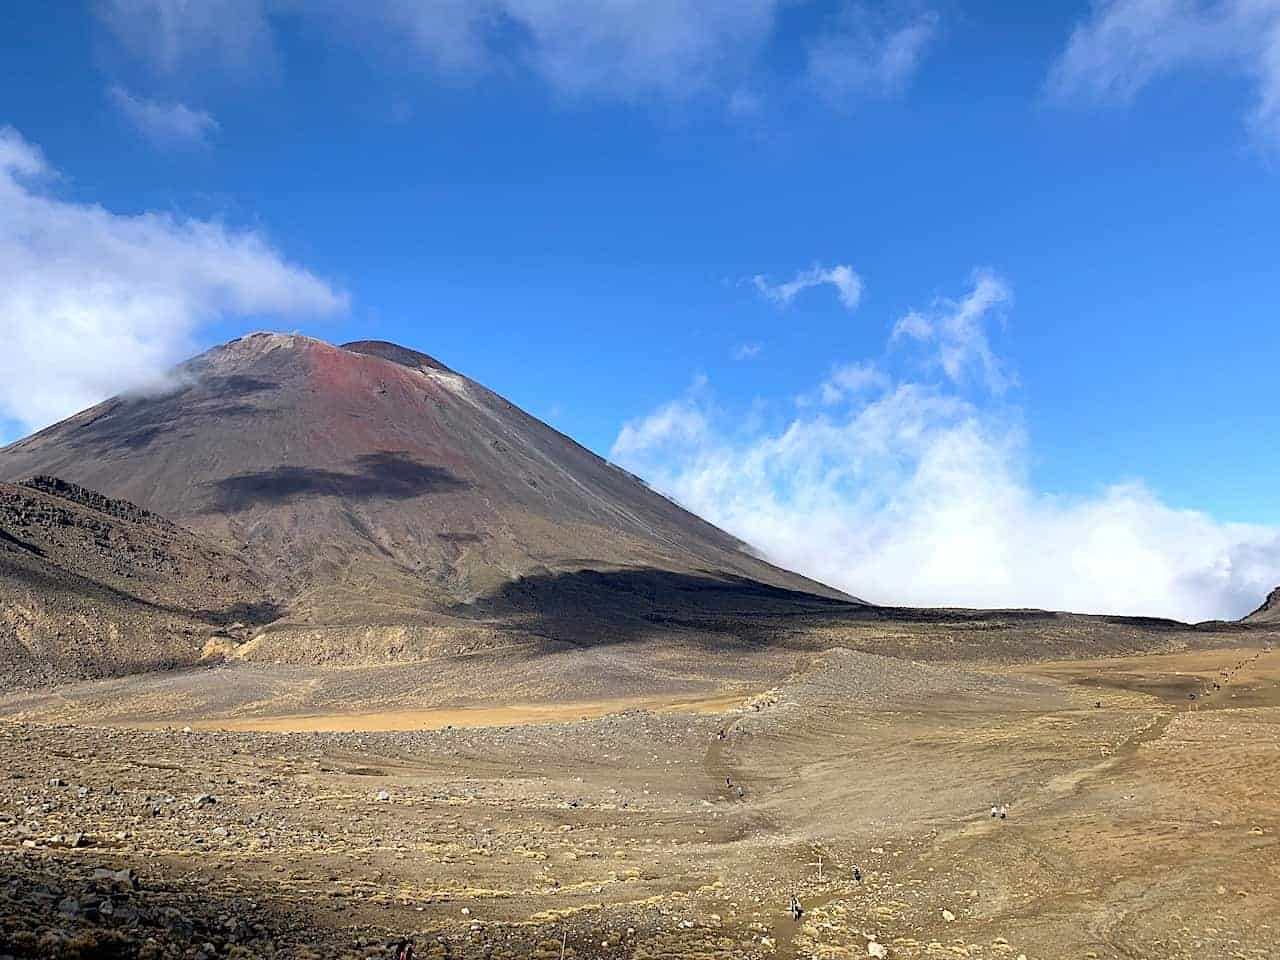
1269, 612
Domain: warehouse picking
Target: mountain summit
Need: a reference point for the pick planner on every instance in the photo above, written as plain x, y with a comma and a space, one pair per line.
372, 485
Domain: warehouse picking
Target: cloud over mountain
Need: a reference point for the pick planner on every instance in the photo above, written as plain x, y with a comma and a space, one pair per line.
914, 488
93, 302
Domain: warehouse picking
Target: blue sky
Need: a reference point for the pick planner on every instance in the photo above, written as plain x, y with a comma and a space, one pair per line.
593, 208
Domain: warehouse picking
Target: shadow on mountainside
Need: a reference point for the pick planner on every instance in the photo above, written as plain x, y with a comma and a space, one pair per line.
9, 540
592, 607
589, 608
133, 423
392, 474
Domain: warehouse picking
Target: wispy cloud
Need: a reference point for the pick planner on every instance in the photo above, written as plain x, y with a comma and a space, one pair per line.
847, 284
870, 54
1125, 45
165, 124
958, 329
664, 50
747, 351
673, 49
229, 36
93, 303
913, 488
850, 380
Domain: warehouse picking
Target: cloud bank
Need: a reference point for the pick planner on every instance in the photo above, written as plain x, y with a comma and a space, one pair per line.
93, 303
1125, 45
914, 490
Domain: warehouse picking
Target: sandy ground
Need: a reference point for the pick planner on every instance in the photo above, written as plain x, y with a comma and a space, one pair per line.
516, 714
1141, 821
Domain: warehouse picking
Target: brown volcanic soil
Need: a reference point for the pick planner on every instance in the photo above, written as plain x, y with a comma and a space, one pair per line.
1141, 828
91, 586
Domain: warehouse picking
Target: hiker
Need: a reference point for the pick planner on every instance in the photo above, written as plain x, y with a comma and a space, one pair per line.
741, 793
728, 782
995, 811
404, 950
1004, 811
857, 874
797, 911
722, 733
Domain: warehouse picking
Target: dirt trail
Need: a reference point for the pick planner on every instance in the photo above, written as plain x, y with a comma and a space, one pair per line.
724, 782
1215, 695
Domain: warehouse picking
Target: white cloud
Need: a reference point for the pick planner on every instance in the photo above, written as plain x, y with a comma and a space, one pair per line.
1124, 45
870, 55
676, 425
913, 325
847, 284
959, 331
851, 379
165, 124
747, 351
914, 492
93, 303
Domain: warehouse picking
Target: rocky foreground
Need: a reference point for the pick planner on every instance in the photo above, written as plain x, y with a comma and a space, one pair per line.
1141, 793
